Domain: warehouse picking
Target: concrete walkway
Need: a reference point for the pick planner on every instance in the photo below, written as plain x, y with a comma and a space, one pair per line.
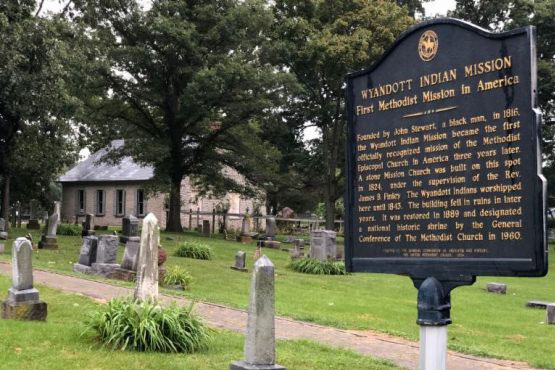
402, 352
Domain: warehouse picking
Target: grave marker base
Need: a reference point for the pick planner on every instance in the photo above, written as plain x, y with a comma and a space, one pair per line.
239, 269
33, 310
242, 365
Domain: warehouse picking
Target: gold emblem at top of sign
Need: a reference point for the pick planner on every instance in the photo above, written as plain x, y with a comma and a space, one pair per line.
427, 45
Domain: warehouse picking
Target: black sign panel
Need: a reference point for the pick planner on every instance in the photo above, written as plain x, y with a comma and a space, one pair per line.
443, 156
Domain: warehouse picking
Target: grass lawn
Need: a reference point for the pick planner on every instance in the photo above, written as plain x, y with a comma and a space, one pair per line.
58, 344
484, 324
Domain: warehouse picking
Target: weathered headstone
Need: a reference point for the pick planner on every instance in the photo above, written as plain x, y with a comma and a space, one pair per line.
496, 288
260, 350
240, 262
538, 304
298, 250
550, 314
246, 235
129, 228
87, 255
23, 300
106, 253
147, 267
323, 245
3, 233
206, 227
128, 269
49, 239
88, 225
271, 227
33, 224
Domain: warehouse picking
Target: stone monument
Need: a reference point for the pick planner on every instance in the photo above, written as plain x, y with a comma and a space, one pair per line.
240, 262
206, 227
106, 253
246, 235
3, 233
323, 245
550, 314
87, 255
147, 266
88, 225
23, 300
128, 269
49, 239
260, 350
271, 227
129, 228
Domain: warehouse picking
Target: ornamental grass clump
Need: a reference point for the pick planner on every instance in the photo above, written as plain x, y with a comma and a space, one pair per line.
318, 267
177, 275
69, 230
146, 326
194, 250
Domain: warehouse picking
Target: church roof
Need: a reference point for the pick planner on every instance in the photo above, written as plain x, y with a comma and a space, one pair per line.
91, 169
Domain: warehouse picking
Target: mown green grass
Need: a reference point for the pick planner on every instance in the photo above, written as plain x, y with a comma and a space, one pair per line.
58, 345
484, 323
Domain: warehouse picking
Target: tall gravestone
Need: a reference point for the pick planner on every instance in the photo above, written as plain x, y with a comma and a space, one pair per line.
271, 227
128, 269
129, 228
246, 235
260, 347
49, 240
147, 266
87, 255
206, 227
33, 223
23, 301
3, 233
106, 253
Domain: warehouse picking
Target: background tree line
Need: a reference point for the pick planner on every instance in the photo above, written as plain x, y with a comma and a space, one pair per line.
195, 87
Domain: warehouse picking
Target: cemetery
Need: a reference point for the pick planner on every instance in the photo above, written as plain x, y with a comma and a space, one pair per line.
271, 185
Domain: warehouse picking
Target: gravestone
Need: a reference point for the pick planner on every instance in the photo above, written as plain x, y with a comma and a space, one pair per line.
106, 253
271, 227
128, 269
323, 245
550, 314
23, 300
88, 225
206, 227
87, 255
260, 350
240, 262
49, 239
496, 288
147, 266
129, 228
298, 250
3, 233
246, 235
33, 224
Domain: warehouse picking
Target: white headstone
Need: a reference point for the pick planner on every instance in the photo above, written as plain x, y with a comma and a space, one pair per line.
147, 266
22, 268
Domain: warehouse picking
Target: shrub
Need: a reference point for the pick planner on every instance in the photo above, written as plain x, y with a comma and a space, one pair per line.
194, 250
314, 266
146, 326
69, 230
177, 275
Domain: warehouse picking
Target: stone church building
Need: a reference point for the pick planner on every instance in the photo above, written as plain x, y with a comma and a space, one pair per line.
113, 191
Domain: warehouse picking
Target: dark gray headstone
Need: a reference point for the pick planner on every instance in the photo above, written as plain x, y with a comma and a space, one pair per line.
129, 228
271, 227
87, 256
240, 260
107, 249
206, 227
550, 316
131, 254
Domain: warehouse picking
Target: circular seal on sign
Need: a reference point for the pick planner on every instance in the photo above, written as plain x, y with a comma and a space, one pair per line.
427, 45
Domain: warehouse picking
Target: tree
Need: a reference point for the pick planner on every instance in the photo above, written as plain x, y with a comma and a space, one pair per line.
183, 84
320, 42
35, 139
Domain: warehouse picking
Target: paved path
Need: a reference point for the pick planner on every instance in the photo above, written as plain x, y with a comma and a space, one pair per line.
402, 352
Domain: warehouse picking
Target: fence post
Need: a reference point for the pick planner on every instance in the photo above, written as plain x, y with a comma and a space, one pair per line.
213, 221
190, 219
198, 217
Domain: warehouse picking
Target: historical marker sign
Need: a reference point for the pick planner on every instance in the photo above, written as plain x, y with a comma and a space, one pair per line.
444, 166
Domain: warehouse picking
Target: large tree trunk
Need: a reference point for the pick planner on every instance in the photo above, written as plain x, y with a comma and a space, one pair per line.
6, 200
329, 202
173, 223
